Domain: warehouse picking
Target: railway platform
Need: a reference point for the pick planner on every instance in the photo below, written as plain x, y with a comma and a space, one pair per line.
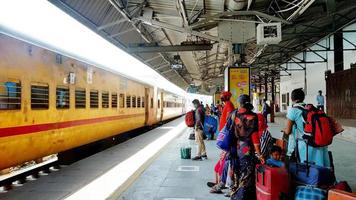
149, 167
102, 175
171, 178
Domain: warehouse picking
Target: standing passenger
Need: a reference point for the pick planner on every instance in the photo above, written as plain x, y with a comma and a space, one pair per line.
198, 127
245, 126
320, 101
295, 130
219, 166
228, 107
266, 109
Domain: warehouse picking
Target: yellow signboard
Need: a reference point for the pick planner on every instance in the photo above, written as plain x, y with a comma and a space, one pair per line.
239, 82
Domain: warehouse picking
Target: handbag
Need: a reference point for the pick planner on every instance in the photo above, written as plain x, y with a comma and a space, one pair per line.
225, 136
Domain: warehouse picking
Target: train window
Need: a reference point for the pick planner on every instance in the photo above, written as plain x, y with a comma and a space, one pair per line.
151, 102
133, 101
80, 98
128, 101
138, 102
39, 96
143, 102
159, 103
62, 97
122, 101
10, 95
105, 99
114, 100
94, 99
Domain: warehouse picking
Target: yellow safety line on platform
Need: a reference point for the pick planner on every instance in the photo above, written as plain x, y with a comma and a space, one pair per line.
115, 181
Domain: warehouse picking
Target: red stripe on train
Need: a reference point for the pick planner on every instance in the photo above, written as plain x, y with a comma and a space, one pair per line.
19, 130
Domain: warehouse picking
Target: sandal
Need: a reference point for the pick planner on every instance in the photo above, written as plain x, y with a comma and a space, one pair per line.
216, 189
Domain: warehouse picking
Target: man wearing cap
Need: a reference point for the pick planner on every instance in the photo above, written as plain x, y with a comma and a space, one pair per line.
199, 121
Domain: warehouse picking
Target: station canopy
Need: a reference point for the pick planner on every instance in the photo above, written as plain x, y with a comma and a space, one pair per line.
191, 42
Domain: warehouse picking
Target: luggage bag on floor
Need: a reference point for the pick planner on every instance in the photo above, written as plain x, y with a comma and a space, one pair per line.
310, 193
340, 195
185, 152
310, 174
210, 126
272, 183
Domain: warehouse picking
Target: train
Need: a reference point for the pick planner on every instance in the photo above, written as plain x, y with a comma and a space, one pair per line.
52, 102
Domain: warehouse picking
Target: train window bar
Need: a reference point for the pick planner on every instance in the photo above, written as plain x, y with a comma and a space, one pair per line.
80, 98
39, 96
138, 102
134, 101
128, 101
122, 101
159, 104
105, 99
113, 100
143, 102
94, 99
62, 97
10, 95
151, 102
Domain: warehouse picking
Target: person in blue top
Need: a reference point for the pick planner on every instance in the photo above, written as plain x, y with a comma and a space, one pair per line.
295, 129
320, 101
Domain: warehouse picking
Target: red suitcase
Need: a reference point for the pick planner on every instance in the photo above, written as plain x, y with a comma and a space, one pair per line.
272, 183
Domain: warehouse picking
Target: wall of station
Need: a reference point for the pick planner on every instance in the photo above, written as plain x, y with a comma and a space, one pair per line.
313, 78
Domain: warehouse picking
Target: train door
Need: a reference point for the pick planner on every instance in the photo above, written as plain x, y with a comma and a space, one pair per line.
147, 106
162, 105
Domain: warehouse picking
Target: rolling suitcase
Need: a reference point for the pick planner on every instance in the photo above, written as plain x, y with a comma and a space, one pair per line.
340, 195
272, 183
310, 174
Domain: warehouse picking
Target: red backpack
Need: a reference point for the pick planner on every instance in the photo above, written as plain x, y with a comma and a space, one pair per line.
318, 128
189, 118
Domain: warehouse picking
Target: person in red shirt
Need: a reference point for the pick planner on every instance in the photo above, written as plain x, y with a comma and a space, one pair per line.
219, 166
228, 107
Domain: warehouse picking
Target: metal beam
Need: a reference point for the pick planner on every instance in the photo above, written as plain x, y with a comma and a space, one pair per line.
171, 48
154, 58
108, 25
123, 32
162, 66
239, 13
180, 4
172, 27
211, 55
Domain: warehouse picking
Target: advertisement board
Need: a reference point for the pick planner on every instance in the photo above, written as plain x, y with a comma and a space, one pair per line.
238, 82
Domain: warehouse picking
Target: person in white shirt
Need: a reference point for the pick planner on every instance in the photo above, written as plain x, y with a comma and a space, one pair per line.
320, 101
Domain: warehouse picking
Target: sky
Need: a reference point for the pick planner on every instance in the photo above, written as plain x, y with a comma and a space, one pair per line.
42, 21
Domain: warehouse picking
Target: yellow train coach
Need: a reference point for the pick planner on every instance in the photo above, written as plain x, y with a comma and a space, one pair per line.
50, 102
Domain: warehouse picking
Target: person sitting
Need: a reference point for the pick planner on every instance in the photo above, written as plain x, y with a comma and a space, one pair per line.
275, 157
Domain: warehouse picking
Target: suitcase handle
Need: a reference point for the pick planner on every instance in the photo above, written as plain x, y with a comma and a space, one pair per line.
261, 170
298, 157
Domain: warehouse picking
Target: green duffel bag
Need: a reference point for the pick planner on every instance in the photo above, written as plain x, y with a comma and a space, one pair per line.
185, 152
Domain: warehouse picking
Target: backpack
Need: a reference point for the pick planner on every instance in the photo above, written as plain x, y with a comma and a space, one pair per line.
189, 118
245, 124
318, 127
